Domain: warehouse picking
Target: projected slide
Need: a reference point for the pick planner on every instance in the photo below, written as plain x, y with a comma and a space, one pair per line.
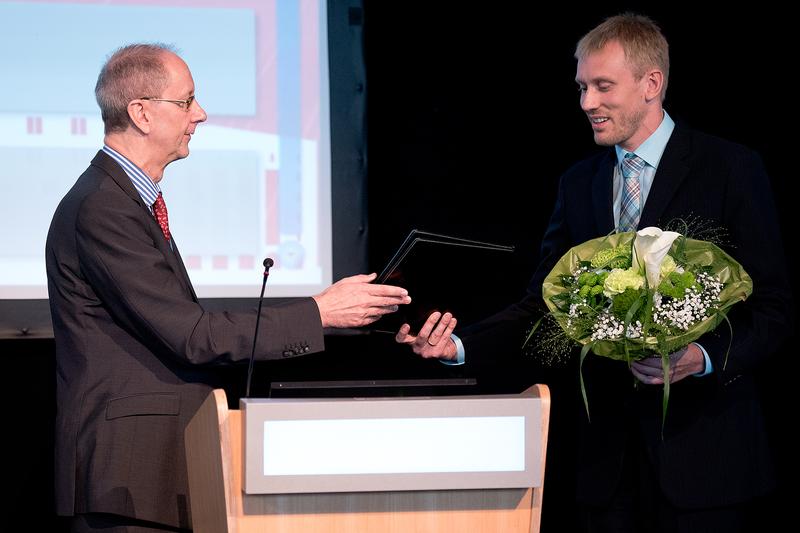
257, 181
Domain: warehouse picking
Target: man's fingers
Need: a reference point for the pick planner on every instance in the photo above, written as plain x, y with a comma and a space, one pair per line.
403, 336
383, 310
358, 278
649, 362
385, 290
438, 332
646, 379
652, 375
647, 370
450, 327
433, 338
425, 330
399, 300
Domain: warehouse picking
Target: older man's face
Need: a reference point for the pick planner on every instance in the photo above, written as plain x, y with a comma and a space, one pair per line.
174, 124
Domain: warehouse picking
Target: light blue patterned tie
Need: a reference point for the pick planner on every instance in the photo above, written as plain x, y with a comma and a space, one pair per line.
630, 211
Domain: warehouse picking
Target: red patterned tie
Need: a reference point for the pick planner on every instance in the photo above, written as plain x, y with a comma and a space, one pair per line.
160, 211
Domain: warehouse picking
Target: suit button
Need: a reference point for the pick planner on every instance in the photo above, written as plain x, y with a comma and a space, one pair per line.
287, 353
306, 349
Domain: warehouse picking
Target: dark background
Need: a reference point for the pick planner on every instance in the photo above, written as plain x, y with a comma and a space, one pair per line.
472, 117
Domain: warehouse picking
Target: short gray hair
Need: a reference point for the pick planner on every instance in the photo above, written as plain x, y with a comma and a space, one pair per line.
131, 72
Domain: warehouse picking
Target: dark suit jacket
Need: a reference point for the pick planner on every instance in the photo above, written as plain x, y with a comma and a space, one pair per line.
136, 354
714, 450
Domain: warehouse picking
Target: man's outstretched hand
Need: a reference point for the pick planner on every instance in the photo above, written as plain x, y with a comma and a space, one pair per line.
433, 339
356, 301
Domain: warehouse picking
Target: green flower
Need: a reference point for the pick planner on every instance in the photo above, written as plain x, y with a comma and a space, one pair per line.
622, 302
674, 284
619, 280
668, 265
587, 279
617, 257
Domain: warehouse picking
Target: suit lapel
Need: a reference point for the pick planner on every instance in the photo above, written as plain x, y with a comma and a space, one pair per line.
170, 254
173, 258
110, 167
182, 267
602, 189
672, 170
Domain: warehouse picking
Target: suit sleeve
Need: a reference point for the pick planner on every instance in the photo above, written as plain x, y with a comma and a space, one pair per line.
132, 278
504, 333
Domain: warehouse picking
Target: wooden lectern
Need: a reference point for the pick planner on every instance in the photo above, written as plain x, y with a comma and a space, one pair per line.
453, 486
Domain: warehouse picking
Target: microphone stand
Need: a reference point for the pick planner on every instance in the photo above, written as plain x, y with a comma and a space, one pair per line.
267, 264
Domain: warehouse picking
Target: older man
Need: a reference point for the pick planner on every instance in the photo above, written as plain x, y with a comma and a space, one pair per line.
136, 353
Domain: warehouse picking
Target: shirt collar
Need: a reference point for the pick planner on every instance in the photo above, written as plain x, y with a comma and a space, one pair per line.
653, 147
146, 187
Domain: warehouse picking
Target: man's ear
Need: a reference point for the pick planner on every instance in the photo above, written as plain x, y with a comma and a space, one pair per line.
139, 116
654, 84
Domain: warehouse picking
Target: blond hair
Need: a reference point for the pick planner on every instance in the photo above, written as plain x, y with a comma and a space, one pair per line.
644, 45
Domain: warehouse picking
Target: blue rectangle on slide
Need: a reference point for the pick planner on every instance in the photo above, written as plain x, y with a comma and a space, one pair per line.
54, 52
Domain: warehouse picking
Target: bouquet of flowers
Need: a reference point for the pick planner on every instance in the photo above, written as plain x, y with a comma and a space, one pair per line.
637, 294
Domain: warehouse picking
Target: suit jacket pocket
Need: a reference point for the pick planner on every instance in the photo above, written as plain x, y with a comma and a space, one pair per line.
167, 403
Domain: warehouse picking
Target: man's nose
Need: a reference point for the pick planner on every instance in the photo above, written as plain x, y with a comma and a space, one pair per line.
588, 99
198, 113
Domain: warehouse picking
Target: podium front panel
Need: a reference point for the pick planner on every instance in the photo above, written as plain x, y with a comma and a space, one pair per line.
391, 444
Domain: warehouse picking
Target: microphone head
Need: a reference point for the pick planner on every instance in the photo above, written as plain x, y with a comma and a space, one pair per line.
268, 262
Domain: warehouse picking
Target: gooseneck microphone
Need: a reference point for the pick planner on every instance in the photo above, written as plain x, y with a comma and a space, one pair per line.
268, 262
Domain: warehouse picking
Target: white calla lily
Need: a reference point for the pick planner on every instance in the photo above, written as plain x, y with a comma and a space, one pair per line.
650, 247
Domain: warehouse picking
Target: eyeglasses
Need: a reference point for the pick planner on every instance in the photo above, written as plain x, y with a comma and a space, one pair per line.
183, 104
